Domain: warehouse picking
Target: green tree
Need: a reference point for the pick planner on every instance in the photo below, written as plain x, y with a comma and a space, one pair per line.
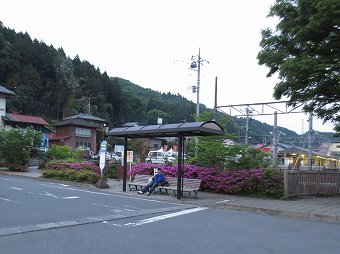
243, 157
152, 116
211, 151
16, 145
304, 51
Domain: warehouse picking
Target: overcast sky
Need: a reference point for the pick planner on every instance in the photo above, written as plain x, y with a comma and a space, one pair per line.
151, 42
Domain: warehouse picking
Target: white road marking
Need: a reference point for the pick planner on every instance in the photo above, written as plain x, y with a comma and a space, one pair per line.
49, 194
15, 188
227, 200
64, 185
6, 199
7, 179
165, 216
70, 197
114, 209
114, 195
46, 193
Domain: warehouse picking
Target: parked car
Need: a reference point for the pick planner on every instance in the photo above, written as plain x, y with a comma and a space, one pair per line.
113, 157
159, 157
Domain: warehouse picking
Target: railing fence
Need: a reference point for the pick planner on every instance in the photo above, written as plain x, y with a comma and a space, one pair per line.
298, 183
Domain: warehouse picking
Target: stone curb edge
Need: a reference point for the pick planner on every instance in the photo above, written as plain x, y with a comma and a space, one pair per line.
272, 211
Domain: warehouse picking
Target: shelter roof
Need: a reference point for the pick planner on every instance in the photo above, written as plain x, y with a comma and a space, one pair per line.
169, 130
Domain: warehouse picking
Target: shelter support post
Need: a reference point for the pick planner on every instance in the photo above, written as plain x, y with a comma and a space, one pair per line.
125, 163
179, 169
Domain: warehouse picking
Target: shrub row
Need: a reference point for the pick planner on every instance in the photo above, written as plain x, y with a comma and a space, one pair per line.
256, 181
72, 175
85, 172
84, 165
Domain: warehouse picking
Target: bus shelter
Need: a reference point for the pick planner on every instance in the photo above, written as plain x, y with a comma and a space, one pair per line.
179, 130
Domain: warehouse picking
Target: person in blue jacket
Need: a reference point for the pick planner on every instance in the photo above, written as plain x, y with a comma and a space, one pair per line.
156, 180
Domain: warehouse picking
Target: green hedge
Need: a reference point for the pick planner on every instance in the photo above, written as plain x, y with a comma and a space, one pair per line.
82, 176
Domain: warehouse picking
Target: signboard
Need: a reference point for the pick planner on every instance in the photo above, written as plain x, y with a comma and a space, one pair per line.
102, 155
129, 156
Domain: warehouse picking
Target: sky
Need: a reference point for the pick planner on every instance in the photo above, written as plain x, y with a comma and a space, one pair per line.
151, 43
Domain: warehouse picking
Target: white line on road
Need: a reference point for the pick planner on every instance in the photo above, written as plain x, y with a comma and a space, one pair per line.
165, 216
113, 195
16, 188
70, 197
222, 201
6, 199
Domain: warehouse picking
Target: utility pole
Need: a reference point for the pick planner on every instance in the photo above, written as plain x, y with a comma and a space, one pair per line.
248, 112
215, 104
198, 83
275, 139
196, 63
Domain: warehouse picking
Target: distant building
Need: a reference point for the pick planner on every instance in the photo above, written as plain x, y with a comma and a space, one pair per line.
99, 122
297, 158
4, 93
330, 148
76, 133
25, 121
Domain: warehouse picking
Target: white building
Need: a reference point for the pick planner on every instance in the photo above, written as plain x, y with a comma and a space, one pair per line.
4, 93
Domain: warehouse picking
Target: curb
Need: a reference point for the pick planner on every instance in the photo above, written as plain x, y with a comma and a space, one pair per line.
282, 213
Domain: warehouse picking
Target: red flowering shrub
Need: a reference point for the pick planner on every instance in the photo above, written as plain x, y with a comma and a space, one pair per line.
86, 172
256, 181
83, 165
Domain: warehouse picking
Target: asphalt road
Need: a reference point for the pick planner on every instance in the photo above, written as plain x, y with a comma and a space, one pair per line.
46, 217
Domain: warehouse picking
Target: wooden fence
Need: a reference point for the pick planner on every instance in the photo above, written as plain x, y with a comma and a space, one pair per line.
298, 183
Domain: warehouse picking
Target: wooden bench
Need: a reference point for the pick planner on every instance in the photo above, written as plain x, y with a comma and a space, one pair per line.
139, 182
189, 185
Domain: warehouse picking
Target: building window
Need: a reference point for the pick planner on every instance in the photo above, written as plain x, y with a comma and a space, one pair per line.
83, 145
81, 132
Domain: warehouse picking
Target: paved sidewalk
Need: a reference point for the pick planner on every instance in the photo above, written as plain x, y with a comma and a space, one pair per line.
312, 208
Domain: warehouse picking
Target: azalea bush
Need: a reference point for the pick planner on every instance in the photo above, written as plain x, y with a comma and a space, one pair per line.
245, 181
86, 172
72, 175
82, 165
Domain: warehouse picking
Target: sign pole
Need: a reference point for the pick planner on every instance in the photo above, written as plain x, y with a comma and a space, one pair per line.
102, 160
129, 159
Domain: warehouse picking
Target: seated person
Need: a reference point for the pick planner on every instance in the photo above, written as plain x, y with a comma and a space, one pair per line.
156, 180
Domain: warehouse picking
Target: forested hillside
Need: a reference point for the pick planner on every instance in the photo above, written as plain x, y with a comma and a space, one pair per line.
48, 83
